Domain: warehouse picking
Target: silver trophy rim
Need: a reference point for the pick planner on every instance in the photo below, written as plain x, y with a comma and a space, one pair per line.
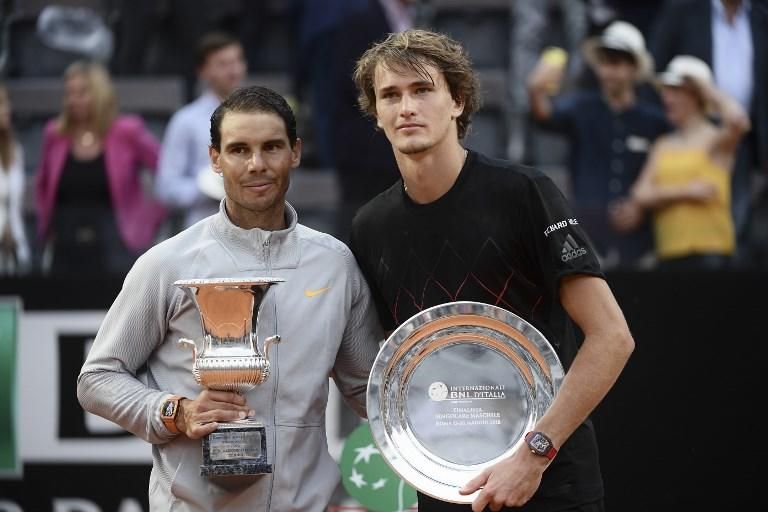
424, 478
231, 281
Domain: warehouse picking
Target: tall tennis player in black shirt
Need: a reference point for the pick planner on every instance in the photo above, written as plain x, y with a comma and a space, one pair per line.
461, 226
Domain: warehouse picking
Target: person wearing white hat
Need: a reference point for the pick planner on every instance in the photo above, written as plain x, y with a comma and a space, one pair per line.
687, 181
609, 132
731, 36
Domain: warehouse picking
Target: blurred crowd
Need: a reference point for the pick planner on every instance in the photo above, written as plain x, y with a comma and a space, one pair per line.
662, 105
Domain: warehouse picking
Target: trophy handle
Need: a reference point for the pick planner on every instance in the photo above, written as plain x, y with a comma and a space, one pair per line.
185, 342
272, 340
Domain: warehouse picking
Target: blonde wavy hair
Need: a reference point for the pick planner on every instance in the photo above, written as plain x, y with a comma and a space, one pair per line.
104, 107
414, 50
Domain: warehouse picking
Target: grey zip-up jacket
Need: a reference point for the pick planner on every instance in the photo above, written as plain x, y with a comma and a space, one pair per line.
328, 326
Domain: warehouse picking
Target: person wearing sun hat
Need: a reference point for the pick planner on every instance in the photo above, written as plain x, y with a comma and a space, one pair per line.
609, 131
731, 36
621, 37
687, 181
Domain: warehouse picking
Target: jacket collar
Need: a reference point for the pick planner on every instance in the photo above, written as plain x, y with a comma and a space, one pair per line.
272, 249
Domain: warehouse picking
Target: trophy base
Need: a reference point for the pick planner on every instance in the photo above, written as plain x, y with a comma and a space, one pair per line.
236, 449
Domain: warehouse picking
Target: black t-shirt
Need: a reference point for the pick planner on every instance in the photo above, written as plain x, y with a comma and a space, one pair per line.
503, 235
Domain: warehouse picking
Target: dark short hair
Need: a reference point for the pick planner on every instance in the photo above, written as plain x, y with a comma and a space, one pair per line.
212, 42
615, 55
414, 49
254, 98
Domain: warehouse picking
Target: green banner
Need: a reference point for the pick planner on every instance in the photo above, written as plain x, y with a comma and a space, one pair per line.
367, 477
9, 316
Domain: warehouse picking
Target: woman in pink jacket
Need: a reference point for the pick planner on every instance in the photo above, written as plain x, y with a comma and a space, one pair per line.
93, 212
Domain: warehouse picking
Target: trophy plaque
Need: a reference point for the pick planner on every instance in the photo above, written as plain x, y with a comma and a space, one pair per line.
228, 358
454, 390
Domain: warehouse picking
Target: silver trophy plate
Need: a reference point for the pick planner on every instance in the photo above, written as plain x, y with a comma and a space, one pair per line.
454, 389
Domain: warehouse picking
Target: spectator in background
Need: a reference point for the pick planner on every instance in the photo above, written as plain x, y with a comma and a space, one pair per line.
731, 36
14, 250
363, 157
318, 25
687, 179
532, 30
221, 68
610, 132
93, 213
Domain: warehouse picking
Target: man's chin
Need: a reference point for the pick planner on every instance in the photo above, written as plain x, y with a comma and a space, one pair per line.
414, 148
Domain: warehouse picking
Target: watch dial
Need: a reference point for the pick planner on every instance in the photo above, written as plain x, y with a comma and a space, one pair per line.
169, 408
539, 443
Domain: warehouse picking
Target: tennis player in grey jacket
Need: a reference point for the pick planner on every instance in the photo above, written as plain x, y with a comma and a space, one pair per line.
324, 309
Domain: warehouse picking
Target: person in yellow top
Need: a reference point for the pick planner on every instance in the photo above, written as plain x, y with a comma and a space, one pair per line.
686, 180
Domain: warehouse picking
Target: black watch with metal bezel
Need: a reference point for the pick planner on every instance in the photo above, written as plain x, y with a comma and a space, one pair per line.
540, 444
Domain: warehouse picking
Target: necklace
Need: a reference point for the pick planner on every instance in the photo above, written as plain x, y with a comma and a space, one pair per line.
466, 152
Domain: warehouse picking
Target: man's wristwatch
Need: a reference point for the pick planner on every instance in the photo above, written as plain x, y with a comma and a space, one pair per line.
168, 412
540, 444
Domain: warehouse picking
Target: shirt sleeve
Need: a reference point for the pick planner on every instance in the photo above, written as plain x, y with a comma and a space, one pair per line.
360, 343
558, 242
176, 182
134, 326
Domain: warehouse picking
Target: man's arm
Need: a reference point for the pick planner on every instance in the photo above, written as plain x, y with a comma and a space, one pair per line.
132, 329
606, 349
601, 358
545, 79
176, 182
360, 344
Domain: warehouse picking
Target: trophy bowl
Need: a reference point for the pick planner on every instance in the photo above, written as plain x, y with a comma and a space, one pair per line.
228, 358
454, 389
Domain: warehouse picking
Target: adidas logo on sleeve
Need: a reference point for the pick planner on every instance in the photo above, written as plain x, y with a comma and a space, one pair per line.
571, 249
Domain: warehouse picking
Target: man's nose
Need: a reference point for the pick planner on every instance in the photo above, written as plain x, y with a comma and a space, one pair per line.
407, 105
256, 162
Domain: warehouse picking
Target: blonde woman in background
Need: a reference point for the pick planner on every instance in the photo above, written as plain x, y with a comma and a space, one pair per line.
14, 250
93, 212
686, 182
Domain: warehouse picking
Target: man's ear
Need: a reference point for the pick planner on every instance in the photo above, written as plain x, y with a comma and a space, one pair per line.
214, 155
458, 108
296, 153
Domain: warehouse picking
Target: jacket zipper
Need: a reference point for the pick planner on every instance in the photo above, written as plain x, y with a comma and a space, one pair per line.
275, 376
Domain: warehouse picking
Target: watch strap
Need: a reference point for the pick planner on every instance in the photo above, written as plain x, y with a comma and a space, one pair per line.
169, 416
